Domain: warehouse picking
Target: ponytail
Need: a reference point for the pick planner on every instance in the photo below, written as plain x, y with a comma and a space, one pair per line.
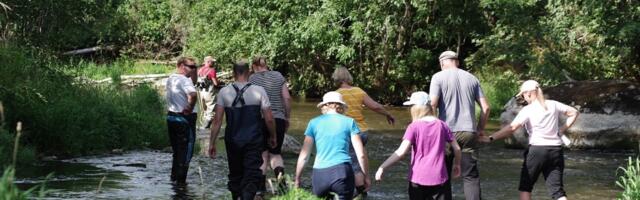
540, 98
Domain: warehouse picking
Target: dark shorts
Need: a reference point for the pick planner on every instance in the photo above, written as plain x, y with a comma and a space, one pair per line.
548, 160
354, 158
280, 128
422, 192
338, 179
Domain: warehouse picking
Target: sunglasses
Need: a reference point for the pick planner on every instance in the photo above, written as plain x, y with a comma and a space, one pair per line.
190, 66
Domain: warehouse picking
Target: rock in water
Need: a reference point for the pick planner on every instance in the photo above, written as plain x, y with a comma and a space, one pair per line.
609, 114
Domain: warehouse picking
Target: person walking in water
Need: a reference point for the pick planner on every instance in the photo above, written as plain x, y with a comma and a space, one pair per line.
426, 137
275, 85
454, 93
355, 98
544, 153
207, 81
181, 99
332, 134
247, 107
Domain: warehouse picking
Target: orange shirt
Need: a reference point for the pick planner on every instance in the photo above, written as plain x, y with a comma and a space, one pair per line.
354, 97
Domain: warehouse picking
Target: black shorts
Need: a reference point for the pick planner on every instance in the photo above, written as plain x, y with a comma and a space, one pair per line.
548, 160
338, 179
280, 128
417, 191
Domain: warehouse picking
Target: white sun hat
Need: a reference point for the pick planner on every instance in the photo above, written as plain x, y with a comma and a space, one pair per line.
528, 86
332, 97
418, 98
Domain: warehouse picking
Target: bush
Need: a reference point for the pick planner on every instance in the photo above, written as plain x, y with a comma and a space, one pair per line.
498, 88
629, 180
64, 117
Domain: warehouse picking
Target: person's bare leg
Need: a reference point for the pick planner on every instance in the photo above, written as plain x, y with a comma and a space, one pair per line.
525, 195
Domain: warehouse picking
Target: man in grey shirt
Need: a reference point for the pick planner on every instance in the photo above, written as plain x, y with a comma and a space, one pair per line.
455, 92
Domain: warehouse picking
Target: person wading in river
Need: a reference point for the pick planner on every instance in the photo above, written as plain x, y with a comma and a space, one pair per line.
426, 137
544, 153
332, 134
355, 98
181, 99
246, 107
454, 93
275, 85
207, 81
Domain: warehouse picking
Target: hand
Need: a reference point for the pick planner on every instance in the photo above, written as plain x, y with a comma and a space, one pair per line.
367, 183
390, 119
297, 182
212, 151
379, 174
484, 139
273, 142
456, 171
187, 110
480, 132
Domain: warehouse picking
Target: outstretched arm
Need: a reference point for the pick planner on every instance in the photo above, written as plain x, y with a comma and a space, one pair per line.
404, 148
375, 106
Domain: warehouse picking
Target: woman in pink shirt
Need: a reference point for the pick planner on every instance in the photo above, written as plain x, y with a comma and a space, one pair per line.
427, 137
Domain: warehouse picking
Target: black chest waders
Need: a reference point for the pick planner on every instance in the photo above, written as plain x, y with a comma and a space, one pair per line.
244, 142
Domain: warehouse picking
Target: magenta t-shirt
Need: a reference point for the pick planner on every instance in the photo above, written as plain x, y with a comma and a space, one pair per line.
428, 142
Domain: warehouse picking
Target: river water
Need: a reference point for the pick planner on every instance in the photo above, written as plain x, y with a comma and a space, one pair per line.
144, 174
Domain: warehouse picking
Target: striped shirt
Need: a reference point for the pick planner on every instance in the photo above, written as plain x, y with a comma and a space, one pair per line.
272, 82
354, 97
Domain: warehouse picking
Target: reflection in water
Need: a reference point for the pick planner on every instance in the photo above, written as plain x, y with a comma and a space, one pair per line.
588, 174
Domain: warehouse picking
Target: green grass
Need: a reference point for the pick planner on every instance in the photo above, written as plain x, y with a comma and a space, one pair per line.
66, 118
629, 180
96, 71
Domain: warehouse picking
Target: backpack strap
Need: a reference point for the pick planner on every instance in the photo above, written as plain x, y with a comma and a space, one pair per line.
239, 94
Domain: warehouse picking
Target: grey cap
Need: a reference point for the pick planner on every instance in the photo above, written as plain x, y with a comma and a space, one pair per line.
448, 55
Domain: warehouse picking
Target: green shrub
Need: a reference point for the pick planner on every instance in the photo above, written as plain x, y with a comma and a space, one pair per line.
629, 180
498, 88
66, 117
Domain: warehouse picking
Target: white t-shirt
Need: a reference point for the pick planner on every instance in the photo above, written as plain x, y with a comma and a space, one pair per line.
542, 125
178, 89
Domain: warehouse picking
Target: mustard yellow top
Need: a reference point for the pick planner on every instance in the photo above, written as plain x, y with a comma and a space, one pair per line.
354, 97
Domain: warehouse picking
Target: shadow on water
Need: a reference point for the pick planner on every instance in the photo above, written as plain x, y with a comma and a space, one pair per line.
145, 174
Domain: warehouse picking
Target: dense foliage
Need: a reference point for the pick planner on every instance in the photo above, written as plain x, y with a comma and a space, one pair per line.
61, 116
390, 46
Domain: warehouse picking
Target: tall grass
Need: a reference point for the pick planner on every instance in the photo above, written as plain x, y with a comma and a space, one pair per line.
98, 71
68, 118
629, 180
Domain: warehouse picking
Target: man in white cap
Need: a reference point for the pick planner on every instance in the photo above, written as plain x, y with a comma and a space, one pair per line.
454, 93
207, 81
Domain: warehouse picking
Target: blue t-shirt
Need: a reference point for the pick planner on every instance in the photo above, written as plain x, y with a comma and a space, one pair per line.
331, 134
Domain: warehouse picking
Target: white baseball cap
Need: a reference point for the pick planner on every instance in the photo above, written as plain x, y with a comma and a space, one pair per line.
528, 86
418, 98
332, 97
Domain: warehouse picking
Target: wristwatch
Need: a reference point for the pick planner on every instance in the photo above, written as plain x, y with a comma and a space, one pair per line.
491, 138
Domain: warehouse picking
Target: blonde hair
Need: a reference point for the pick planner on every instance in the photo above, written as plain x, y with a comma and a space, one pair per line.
342, 75
338, 107
420, 111
540, 97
